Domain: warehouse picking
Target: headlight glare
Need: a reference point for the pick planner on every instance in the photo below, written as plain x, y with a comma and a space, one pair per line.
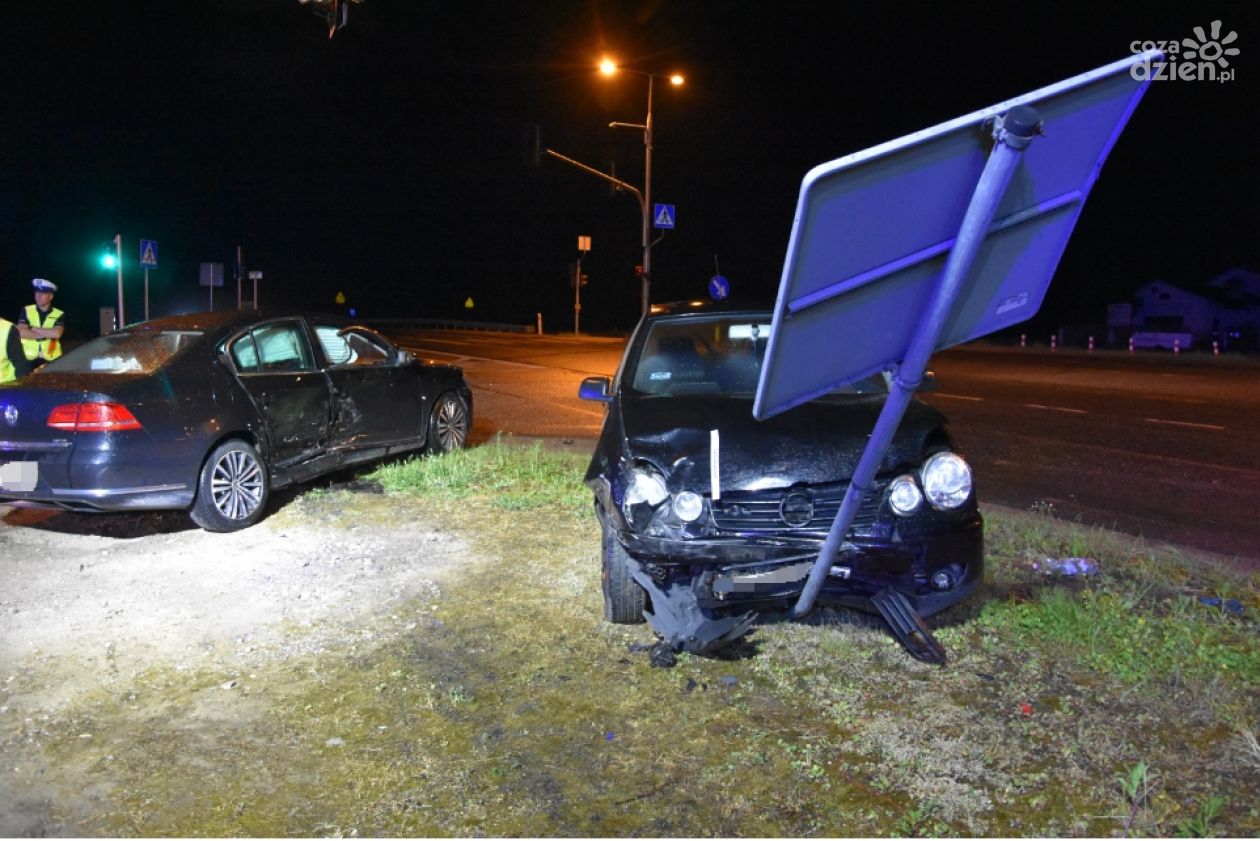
904, 496
946, 480
688, 506
645, 487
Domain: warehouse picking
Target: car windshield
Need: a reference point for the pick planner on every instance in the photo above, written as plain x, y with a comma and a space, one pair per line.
716, 356
122, 353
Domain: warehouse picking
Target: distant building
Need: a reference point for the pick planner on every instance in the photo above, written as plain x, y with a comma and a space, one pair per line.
1237, 297
1225, 310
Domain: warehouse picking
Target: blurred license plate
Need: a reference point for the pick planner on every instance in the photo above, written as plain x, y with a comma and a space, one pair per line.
19, 475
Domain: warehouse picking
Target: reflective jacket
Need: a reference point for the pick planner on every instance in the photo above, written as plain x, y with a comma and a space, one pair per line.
48, 349
7, 374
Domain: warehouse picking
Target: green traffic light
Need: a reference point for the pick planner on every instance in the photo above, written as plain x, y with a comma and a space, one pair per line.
109, 260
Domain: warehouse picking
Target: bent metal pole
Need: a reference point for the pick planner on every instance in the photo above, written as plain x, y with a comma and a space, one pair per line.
1012, 133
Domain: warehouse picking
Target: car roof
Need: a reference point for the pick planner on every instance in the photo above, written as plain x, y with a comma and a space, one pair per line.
228, 319
698, 308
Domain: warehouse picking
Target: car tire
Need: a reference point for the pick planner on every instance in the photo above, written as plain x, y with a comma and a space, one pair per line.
624, 599
232, 489
448, 424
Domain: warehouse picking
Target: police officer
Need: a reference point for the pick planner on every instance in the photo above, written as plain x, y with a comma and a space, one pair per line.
13, 362
40, 325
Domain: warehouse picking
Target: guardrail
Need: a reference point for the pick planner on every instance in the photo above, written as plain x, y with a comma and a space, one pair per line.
450, 324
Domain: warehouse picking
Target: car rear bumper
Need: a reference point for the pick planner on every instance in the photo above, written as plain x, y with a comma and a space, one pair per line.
152, 497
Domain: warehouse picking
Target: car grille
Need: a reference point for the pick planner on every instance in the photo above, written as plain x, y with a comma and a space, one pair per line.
798, 508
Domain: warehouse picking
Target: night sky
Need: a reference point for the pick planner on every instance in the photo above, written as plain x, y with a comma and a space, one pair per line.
388, 162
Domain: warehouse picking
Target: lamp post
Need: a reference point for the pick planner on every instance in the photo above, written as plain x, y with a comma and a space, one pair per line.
608, 67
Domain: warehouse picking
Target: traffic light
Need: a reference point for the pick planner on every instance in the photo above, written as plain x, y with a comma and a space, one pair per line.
109, 256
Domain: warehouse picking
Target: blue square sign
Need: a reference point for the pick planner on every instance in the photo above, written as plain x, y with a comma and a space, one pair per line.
148, 253
663, 216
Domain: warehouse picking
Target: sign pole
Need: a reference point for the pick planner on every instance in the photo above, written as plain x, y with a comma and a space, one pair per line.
584, 245
1012, 136
146, 294
122, 321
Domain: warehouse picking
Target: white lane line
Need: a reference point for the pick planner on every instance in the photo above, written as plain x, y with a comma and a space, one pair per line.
1211, 426
1057, 409
960, 397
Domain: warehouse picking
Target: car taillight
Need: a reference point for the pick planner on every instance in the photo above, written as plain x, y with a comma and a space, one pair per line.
92, 417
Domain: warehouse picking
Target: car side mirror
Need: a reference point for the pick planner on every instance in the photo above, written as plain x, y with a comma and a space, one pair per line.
405, 357
595, 388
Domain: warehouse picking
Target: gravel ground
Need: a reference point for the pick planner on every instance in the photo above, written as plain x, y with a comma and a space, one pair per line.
87, 601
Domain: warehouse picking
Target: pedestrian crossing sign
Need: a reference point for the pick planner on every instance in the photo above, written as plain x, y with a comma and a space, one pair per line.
148, 253
663, 216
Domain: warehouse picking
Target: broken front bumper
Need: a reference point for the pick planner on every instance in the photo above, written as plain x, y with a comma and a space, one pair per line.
734, 574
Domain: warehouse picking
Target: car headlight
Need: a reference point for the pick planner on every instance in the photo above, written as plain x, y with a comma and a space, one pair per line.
946, 480
904, 496
688, 506
645, 487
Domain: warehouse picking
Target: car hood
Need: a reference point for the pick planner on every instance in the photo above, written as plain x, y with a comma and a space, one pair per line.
815, 443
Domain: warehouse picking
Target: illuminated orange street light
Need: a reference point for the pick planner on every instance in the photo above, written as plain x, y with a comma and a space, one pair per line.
608, 67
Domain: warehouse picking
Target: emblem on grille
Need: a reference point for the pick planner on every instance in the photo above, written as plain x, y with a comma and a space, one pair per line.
10, 414
796, 509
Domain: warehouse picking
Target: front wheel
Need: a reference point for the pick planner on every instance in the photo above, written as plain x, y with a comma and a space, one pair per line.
232, 489
448, 424
624, 599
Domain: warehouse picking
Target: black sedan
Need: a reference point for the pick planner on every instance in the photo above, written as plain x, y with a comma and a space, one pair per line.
710, 517
210, 412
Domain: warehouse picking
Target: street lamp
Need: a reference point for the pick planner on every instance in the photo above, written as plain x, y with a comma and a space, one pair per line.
609, 68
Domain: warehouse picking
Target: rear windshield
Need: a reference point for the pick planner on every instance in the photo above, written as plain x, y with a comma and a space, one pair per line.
123, 353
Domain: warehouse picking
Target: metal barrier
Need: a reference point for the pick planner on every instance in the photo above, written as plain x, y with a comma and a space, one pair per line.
449, 324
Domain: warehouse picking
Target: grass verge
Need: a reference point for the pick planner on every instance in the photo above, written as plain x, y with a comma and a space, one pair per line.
1119, 703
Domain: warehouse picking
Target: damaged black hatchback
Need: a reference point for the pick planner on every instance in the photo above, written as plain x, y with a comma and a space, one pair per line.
710, 517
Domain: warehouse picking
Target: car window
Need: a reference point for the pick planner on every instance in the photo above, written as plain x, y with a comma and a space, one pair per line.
272, 348
716, 356
140, 352
244, 354
702, 356
350, 347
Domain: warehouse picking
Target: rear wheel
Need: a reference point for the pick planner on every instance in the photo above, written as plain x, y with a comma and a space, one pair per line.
448, 424
624, 599
232, 489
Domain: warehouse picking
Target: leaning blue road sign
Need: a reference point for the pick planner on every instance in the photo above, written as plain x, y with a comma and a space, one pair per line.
663, 216
148, 253
927, 241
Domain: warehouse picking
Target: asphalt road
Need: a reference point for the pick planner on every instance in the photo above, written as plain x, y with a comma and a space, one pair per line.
1152, 445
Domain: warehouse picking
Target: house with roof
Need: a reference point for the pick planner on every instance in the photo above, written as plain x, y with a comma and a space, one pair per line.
1225, 310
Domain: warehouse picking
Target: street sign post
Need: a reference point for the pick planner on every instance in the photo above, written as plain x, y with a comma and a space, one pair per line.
148, 259
584, 245
663, 216
212, 276
924, 242
719, 288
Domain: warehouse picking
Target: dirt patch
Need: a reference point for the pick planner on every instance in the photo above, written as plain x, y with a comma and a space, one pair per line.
90, 602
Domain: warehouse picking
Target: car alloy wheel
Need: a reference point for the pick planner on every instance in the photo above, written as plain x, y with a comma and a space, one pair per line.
448, 428
232, 489
236, 485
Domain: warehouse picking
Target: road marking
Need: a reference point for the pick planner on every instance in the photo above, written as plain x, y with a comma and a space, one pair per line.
961, 397
1057, 409
1211, 426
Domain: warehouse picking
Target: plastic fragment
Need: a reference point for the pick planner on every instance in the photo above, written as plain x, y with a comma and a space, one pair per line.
1066, 566
1229, 605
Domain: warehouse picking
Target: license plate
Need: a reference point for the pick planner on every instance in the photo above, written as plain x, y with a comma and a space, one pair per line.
19, 476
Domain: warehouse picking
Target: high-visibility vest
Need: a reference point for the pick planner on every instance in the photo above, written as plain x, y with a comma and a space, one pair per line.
48, 349
7, 374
